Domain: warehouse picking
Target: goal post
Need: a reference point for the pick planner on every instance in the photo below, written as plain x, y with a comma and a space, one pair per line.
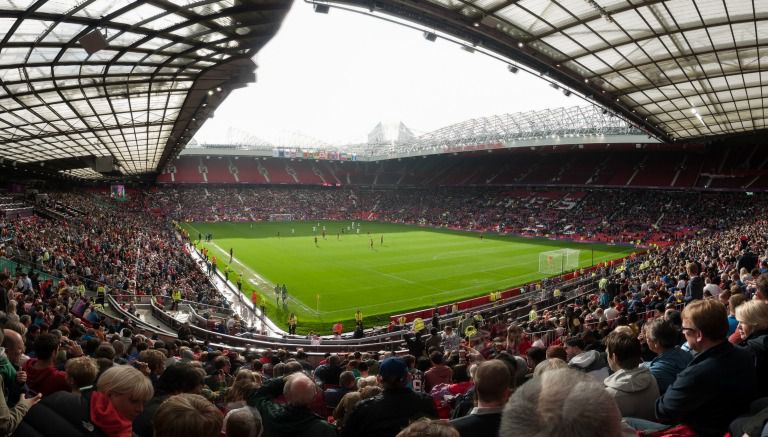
555, 262
281, 217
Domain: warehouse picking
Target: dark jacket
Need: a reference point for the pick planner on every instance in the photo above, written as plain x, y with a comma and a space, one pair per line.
478, 425
388, 413
287, 420
62, 414
695, 289
757, 344
714, 389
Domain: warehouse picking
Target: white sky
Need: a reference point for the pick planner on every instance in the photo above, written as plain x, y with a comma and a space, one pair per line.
334, 77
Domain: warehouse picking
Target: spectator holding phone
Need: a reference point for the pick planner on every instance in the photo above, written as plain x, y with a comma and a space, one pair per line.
11, 418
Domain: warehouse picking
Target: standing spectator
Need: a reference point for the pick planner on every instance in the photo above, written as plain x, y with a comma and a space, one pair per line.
438, 374
386, 414
695, 288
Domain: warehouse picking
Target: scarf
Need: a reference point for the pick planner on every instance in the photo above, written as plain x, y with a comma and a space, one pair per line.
107, 418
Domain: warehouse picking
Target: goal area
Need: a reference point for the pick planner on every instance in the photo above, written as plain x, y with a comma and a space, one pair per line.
281, 217
554, 262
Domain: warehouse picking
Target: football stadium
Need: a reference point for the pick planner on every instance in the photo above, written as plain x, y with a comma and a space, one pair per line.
563, 234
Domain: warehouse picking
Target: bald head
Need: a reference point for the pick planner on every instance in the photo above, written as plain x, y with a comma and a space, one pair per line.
299, 390
14, 345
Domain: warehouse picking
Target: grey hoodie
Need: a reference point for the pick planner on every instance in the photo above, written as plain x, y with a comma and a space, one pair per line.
593, 363
635, 391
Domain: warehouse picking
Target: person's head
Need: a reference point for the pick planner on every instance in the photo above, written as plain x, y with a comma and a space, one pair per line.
436, 357
393, 372
492, 382
735, 301
705, 324
573, 347
127, 389
661, 335
154, 359
752, 317
623, 349
692, 268
13, 343
557, 352
243, 422
181, 378
547, 365
81, 372
299, 390
347, 380
46, 346
431, 428
187, 415
762, 287
561, 403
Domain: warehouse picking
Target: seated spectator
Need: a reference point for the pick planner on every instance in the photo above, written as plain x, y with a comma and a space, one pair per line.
717, 385
42, 376
561, 403
431, 428
661, 337
386, 414
243, 422
634, 388
81, 373
753, 325
294, 418
438, 374
492, 387
120, 394
11, 418
187, 415
592, 362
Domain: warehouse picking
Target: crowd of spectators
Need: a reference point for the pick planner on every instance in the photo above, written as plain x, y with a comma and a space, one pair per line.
607, 215
674, 341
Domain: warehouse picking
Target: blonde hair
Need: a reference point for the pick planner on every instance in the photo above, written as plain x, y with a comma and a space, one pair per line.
432, 428
754, 313
82, 371
548, 364
125, 380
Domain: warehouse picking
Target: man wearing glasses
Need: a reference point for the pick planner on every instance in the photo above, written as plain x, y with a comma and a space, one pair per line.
717, 386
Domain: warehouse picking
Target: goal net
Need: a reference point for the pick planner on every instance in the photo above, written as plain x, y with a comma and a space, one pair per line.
281, 217
555, 262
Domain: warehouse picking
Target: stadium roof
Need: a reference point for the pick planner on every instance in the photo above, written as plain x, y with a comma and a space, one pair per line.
119, 86
678, 68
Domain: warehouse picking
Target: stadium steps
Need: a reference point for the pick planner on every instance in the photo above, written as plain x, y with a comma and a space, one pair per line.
639, 167
263, 171
203, 170
234, 171
292, 173
319, 174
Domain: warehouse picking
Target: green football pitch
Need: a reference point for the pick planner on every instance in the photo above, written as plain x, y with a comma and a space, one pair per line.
406, 268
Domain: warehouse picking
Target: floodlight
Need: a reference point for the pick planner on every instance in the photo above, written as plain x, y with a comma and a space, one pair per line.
430, 36
512, 69
322, 9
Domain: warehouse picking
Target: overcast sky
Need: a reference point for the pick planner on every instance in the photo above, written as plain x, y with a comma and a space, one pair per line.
333, 77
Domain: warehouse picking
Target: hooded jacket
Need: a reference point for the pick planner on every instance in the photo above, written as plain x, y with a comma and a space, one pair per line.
635, 391
46, 380
593, 363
